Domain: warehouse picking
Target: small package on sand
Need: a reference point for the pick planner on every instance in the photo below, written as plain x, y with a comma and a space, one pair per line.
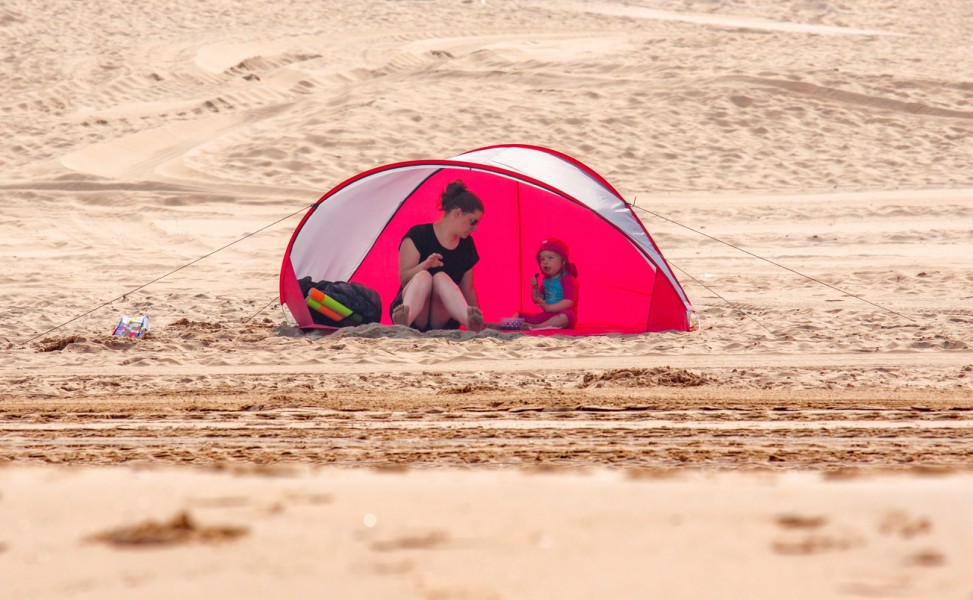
133, 327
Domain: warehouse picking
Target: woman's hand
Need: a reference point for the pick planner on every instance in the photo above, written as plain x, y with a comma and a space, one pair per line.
434, 260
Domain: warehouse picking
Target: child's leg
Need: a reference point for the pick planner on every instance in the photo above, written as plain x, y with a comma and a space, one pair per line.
557, 320
537, 318
415, 302
560, 320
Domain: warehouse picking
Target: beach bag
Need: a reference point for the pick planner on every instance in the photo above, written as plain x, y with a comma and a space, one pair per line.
360, 299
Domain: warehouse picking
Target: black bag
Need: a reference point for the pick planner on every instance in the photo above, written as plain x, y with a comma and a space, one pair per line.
361, 299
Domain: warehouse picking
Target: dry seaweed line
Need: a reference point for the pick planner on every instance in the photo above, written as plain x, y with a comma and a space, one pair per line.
181, 529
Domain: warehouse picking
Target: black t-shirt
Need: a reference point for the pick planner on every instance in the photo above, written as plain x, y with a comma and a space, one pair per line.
456, 262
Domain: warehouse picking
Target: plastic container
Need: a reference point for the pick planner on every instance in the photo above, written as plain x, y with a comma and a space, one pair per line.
511, 323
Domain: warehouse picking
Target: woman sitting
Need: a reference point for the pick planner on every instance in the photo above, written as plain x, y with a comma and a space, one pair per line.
436, 267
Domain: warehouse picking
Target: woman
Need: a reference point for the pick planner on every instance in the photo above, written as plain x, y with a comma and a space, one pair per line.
436, 267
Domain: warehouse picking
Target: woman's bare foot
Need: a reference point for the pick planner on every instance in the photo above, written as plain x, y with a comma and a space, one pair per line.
474, 319
400, 315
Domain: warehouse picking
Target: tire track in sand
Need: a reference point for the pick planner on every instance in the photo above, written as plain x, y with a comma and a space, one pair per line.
571, 432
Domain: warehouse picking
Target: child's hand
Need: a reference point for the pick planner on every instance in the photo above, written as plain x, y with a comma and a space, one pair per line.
434, 260
533, 281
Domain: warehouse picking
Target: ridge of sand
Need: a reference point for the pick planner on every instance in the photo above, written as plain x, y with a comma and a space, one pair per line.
719, 20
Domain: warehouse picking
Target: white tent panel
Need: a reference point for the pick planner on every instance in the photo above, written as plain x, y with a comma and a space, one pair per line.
373, 200
573, 181
553, 171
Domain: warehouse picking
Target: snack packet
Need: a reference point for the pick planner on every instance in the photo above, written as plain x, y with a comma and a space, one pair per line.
133, 327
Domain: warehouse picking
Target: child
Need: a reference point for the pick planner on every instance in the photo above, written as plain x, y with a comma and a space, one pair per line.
557, 294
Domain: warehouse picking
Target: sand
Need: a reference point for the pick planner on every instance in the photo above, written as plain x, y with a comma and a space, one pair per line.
803, 165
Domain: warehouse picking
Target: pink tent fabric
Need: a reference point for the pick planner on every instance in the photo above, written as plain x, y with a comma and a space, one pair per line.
529, 194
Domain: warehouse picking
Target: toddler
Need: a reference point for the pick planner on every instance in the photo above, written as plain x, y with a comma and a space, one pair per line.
557, 293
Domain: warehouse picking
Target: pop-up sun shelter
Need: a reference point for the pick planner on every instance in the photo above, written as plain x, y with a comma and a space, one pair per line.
529, 194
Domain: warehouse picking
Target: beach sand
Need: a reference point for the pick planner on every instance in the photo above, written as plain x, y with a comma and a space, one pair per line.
803, 166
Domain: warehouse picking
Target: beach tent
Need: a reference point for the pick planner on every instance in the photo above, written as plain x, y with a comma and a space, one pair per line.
529, 194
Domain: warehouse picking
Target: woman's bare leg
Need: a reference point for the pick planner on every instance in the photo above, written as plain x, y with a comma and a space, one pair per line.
438, 315
415, 301
474, 319
452, 300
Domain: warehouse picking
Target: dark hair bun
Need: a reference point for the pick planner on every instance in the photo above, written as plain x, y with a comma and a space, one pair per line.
457, 195
456, 188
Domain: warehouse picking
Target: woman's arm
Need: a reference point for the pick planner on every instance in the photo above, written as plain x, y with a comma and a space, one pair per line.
410, 262
469, 291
